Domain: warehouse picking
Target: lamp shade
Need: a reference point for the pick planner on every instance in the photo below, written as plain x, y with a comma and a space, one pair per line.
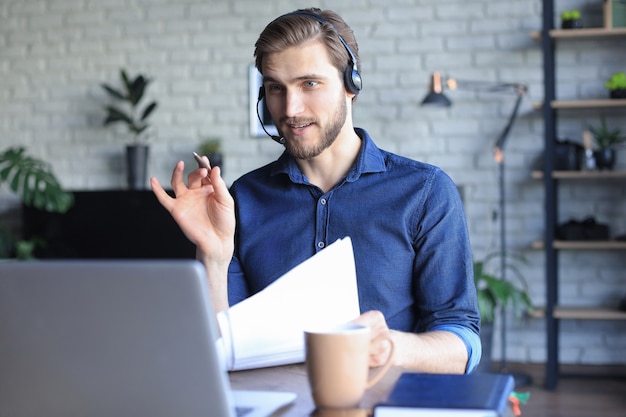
436, 99
435, 96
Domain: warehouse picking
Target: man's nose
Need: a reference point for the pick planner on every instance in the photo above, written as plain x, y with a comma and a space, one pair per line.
293, 103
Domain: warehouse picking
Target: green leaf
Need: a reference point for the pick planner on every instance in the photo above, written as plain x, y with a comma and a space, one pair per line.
126, 81
137, 89
34, 181
617, 81
148, 110
116, 115
113, 92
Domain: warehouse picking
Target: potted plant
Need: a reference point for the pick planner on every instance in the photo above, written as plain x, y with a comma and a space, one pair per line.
38, 187
129, 110
494, 292
617, 85
571, 19
606, 140
212, 148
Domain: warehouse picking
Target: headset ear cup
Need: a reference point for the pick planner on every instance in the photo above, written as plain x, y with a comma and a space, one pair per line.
261, 93
352, 80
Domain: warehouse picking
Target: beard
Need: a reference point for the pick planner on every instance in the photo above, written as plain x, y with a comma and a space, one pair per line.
298, 151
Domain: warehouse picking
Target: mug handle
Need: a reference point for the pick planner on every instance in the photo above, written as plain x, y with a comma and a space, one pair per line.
382, 370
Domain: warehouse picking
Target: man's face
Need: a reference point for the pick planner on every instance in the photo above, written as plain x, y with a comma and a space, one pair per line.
306, 98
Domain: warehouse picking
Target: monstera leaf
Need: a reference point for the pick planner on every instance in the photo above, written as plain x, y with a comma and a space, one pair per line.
34, 181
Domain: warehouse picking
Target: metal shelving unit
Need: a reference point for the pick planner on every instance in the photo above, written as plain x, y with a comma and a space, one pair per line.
553, 312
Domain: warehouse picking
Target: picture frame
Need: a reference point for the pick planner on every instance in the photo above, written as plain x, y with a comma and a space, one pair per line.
259, 114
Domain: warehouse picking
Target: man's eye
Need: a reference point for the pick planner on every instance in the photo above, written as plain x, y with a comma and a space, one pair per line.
311, 84
273, 88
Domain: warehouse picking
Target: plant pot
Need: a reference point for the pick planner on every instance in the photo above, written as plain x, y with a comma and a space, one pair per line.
137, 166
619, 93
572, 24
605, 158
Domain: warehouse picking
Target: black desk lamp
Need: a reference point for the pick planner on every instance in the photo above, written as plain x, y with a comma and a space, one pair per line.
436, 97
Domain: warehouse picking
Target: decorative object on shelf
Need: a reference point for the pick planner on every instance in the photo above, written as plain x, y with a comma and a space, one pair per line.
617, 85
571, 19
212, 148
606, 140
567, 155
587, 229
38, 187
589, 163
136, 119
494, 292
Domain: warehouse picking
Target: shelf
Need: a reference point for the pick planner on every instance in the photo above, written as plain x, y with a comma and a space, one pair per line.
581, 313
581, 33
581, 175
583, 244
584, 104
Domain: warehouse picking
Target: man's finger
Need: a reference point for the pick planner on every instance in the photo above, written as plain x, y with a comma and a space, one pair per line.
177, 177
161, 195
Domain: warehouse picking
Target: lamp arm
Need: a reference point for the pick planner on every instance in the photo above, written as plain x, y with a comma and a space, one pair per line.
499, 145
487, 86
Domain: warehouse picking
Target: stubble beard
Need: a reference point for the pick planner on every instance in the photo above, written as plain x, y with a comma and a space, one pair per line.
328, 137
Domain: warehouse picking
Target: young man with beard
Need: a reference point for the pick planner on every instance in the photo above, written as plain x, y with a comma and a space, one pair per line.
405, 218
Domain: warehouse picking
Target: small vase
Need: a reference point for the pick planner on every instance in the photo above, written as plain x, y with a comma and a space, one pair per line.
605, 158
137, 166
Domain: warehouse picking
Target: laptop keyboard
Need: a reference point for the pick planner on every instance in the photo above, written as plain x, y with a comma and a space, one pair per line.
242, 411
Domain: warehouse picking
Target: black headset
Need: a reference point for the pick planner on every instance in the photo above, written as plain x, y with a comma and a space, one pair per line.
351, 77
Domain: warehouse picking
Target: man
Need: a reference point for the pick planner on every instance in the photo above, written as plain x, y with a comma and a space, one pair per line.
405, 218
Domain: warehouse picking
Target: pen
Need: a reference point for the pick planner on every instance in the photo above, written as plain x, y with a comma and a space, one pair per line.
203, 164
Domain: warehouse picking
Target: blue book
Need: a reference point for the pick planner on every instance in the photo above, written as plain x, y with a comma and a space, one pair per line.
444, 395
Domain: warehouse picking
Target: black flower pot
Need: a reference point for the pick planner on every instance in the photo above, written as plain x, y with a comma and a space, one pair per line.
572, 24
137, 166
619, 93
605, 158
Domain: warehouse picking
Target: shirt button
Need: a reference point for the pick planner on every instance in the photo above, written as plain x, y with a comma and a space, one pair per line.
320, 245
323, 201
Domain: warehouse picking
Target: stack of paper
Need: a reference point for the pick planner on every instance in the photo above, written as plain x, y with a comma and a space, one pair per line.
267, 328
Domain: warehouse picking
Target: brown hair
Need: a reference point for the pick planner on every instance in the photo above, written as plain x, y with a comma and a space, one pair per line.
292, 30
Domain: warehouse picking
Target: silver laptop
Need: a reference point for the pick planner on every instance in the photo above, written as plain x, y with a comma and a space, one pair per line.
114, 338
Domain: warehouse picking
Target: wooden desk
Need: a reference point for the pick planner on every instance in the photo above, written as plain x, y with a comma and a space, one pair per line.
293, 378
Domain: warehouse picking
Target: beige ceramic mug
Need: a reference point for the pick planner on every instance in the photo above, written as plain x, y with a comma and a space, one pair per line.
337, 363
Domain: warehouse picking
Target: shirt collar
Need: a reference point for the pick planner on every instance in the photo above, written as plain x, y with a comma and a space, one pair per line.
370, 160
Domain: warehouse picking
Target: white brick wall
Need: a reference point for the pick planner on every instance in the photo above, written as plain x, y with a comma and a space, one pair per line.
55, 53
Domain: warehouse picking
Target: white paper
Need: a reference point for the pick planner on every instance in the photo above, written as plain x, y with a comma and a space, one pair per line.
267, 329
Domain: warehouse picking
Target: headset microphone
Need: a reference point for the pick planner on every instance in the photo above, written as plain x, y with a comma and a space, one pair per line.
278, 139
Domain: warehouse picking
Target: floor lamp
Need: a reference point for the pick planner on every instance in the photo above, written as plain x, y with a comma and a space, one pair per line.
436, 97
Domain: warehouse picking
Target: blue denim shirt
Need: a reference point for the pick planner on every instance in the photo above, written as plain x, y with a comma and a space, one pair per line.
408, 230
